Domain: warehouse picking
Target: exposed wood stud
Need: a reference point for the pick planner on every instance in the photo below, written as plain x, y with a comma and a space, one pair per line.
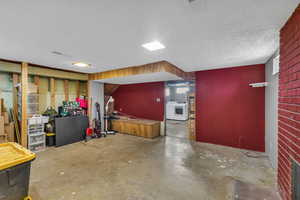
37, 83
77, 89
52, 92
66, 88
15, 78
89, 99
87, 88
24, 83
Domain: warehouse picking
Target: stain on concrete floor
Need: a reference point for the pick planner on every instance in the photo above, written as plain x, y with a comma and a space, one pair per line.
246, 191
124, 167
177, 129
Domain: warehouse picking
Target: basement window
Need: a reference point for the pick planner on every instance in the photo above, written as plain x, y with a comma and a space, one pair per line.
296, 180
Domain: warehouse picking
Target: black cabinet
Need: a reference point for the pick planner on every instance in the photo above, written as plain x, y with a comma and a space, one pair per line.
70, 129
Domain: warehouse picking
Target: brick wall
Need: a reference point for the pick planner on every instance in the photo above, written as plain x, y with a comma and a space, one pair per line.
289, 103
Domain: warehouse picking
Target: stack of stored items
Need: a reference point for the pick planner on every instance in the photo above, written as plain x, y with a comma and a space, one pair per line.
191, 123
71, 108
36, 134
32, 100
83, 103
7, 133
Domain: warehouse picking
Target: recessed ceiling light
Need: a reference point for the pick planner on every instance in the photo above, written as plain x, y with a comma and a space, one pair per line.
81, 64
153, 46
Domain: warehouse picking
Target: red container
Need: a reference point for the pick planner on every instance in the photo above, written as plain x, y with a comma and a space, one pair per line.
82, 102
89, 131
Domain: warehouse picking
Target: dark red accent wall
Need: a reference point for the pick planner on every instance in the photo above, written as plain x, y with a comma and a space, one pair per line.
289, 103
228, 111
140, 100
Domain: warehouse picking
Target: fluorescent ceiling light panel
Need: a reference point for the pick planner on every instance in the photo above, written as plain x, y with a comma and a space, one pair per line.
153, 46
81, 64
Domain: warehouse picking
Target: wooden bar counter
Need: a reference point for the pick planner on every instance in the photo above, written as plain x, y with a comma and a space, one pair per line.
137, 127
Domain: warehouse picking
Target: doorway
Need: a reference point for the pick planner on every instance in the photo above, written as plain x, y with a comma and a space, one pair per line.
178, 108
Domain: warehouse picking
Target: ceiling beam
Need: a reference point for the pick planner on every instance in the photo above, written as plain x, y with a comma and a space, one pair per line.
162, 66
14, 67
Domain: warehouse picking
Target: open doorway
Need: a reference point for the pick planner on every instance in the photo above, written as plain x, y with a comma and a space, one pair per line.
179, 108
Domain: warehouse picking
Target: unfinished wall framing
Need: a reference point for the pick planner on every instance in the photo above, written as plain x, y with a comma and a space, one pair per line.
61, 93
68, 85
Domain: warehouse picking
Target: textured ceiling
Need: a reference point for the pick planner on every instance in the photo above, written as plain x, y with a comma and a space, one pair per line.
108, 34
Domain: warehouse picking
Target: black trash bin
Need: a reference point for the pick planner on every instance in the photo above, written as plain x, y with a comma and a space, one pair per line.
50, 139
15, 163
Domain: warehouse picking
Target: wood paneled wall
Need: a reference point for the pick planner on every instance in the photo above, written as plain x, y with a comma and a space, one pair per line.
162, 66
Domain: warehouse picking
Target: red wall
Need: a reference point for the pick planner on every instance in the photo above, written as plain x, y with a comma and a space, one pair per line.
140, 100
228, 111
289, 103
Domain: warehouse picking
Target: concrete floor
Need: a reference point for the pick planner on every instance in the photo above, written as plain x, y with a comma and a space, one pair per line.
177, 129
124, 167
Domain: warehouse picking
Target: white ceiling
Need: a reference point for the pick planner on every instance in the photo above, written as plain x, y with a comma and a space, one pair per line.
108, 34
142, 78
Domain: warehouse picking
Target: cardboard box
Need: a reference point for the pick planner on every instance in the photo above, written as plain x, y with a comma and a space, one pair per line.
6, 117
10, 132
2, 132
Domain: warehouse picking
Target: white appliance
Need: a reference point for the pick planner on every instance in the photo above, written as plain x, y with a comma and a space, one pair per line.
177, 111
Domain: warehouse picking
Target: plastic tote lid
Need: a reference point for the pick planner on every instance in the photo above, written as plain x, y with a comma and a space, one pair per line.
12, 154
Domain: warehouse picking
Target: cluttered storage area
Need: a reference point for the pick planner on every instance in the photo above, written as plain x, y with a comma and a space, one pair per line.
52, 105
